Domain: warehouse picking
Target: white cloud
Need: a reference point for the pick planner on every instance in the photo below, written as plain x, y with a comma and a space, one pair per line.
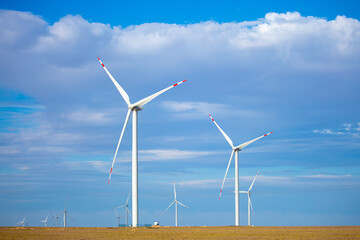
328, 131
172, 154
347, 126
200, 110
358, 128
323, 176
344, 131
91, 116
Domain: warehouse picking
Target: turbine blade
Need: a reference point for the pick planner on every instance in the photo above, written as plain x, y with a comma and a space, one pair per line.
223, 133
174, 190
117, 148
251, 205
117, 85
144, 101
116, 213
241, 146
182, 204
167, 208
227, 169
129, 212
127, 200
242, 191
253, 181
121, 206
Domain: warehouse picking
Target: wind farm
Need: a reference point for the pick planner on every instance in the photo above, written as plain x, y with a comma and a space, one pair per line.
104, 105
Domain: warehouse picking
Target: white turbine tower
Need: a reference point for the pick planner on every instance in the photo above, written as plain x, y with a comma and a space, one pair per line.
126, 209
235, 149
45, 221
65, 215
248, 192
133, 108
176, 207
22, 222
57, 220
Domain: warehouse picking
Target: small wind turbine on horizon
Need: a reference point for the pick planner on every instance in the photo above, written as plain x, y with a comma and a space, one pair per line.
126, 209
176, 207
45, 221
248, 192
235, 149
22, 222
133, 108
117, 216
57, 220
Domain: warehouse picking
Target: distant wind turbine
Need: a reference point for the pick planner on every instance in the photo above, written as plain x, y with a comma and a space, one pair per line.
133, 108
57, 220
176, 207
117, 216
45, 221
126, 209
22, 223
249, 200
235, 149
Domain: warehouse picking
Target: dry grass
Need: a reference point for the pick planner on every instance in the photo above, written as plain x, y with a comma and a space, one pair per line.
37, 233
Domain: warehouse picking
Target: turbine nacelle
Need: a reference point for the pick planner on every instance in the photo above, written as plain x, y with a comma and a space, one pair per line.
135, 108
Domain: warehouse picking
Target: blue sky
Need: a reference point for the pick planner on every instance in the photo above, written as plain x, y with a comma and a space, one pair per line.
291, 68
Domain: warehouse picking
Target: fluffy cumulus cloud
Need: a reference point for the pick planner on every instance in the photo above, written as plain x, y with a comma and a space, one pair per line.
274, 71
43, 56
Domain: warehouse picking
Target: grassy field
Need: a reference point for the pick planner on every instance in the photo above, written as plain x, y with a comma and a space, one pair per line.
37, 233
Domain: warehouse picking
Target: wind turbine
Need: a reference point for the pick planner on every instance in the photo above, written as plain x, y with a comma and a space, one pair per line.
57, 220
118, 217
133, 108
249, 201
176, 207
45, 221
235, 149
126, 209
22, 222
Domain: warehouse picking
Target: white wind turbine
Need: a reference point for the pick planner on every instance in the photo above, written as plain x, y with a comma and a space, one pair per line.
248, 192
22, 222
45, 221
235, 149
176, 207
118, 217
57, 220
133, 108
126, 209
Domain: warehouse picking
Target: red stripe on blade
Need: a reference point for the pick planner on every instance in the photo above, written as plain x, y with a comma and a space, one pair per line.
175, 85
